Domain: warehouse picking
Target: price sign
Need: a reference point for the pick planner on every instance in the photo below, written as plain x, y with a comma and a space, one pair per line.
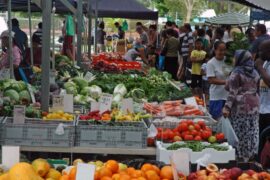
105, 103
19, 114
4, 74
127, 105
85, 171
68, 103
180, 163
94, 106
88, 76
10, 156
191, 101
32, 95
58, 103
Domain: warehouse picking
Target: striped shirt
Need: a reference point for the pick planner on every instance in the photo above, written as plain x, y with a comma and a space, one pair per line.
187, 40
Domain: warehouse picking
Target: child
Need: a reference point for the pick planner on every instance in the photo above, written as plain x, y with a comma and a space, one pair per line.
197, 57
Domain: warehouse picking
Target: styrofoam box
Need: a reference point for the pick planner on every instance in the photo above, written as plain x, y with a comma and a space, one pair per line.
164, 155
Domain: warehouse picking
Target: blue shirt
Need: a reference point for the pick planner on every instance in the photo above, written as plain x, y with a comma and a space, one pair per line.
256, 44
20, 38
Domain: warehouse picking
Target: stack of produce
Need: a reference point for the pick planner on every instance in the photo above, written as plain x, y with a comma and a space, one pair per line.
172, 108
188, 130
59, 115
113, 62
114, 115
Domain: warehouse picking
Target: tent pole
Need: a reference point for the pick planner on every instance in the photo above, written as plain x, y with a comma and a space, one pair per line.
46, 33
10, 58
79, 33
96, 25
89, 28
30, 32
53, 43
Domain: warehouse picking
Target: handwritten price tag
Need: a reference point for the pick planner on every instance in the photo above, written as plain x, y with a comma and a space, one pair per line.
19, 115
10, 156
85, 171
88, 76
4, 74
127, 105
105, 103
58, 103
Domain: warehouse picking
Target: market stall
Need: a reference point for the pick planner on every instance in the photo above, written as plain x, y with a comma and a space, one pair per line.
229, 18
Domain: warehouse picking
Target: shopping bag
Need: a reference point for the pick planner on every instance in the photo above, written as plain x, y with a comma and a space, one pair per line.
161, 63
225, 126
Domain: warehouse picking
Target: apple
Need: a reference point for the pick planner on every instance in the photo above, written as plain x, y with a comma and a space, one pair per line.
212, 139
250, 172
203, 177
211, 178
192, 176
177, 138
212, 168
235, 172
201, 173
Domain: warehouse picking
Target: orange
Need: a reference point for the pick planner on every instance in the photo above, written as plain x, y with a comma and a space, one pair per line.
166, 173
137, 174
106, 178
64, 177
112, 165
147, 167
72, 173
116, 177
131, 170
155, 168
152, 175
141, 178
105, 172
97, 175
124, 177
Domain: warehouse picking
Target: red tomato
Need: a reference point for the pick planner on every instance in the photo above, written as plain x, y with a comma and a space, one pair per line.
170, 134
208, 129
198, 138
159, 129
165, 136
188, 138
197, 127
183, 134
158, 135
183, 127
190, 122
194, 133
175, 130
206, 134
201, 123
177, 134
220, 136
150, 142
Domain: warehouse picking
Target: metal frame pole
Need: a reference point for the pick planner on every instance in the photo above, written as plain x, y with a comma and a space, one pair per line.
46, 33
30, 32
53, 39
96, 25
89, 28
10, 56
79, 32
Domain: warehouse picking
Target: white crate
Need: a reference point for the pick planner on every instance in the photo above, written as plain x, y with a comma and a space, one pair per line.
164, 155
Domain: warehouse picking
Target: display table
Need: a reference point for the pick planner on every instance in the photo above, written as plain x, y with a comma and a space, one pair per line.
150, 151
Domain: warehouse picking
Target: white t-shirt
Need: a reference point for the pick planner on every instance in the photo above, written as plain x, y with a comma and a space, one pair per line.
215, 68
265, 92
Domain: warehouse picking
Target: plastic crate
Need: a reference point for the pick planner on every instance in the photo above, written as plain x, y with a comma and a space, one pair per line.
171, 124
114, 135
37, 132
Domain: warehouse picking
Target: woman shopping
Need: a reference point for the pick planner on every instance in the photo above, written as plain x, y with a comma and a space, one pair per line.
170, 51
216, 75
242, 105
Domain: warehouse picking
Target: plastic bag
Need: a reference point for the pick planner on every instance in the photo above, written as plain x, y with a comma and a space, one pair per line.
161, 62
225, 126
60, 129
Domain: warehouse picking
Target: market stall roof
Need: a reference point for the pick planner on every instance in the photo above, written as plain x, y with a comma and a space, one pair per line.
261, 4
130, 9
229, 18
21, 5
258, 14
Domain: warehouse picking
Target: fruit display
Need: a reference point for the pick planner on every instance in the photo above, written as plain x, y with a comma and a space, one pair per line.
114, 115
172, 108
188, 130
212, 172
59, 115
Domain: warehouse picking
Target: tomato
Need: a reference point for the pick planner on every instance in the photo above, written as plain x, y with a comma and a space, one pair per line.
183, 134
170, 134
183, 127
197, 127
208, 129
198, 138
159, 129
201, 123
190, 122
194, 133
165, 136
150, 142
191, 127
175, 130
188, 138
206, 134
177, 134
220, 136
158, 135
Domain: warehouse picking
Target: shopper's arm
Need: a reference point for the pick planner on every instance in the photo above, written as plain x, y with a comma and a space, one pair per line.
214, 80
265, 76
